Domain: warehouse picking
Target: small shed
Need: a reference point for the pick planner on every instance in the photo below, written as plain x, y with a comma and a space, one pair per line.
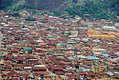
27, 49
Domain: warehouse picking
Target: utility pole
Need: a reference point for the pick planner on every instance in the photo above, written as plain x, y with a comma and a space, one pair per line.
1, 36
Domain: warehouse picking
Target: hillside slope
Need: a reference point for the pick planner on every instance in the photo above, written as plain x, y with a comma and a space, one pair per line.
87, 9
31, 4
